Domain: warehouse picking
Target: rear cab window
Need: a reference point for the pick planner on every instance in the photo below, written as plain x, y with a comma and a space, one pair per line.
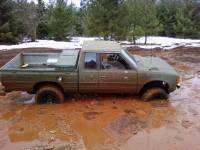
90, 61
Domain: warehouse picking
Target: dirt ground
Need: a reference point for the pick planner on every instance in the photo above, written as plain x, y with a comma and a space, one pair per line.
102, 122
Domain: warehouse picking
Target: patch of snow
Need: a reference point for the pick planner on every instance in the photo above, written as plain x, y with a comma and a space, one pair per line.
43, 43
149, 46
166, 42
27, 98
125, 42
30, 101
80, 40
77, 42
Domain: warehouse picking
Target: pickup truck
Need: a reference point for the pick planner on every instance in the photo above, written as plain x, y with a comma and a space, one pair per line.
99, 67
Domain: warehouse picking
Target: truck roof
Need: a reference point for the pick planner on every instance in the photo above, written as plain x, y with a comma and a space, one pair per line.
102, 46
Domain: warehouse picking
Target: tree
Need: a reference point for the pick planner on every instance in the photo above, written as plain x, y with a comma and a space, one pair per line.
179, 17
142, 19
78, 25
83, 4
8, 28
102, 18
29, 18
134, 18
121, 23
60, 20
149, 21
196, 18
78, 22
42, 29
166, 13
186, 16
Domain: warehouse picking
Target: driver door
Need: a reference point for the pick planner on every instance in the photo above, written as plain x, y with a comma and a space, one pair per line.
115, 74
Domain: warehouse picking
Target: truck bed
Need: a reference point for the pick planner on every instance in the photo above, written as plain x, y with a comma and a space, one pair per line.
43, 61
26, 70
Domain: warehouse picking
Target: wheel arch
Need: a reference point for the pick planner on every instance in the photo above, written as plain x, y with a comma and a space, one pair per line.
38, 85
156, 83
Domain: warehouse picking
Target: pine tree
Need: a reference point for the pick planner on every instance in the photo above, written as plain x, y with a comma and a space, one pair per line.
186, 20
78, 22
83, 4
121, 22
142, 19
79, 18
149, 21
166, 13
27, 14
7, 22
134, 19
60, 20
196, 18
102, 17
179, 17
42, 29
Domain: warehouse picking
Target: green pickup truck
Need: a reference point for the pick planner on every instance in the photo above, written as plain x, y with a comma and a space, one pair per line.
99, 67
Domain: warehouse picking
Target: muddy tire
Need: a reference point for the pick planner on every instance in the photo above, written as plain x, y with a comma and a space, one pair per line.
154, 93
49, 94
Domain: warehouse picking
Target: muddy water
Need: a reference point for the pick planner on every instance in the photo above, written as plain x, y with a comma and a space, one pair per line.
92, 123
105, 121
183, 132
99, 122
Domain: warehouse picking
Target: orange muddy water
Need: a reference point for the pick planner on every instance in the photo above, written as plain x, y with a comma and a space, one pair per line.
101, 122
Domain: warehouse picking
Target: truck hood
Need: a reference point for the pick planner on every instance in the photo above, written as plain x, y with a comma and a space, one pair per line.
153, 64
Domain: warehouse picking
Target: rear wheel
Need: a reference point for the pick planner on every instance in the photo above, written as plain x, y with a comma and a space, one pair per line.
49, 94
154, 93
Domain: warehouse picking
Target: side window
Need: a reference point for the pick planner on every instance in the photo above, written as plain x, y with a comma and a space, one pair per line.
90, 60
113, 61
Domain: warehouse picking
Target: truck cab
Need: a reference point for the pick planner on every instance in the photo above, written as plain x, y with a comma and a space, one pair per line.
104, 67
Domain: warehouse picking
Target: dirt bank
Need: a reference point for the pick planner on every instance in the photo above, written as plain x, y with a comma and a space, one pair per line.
107, 121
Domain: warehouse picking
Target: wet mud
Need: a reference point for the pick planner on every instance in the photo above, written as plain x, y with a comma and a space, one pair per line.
101, 122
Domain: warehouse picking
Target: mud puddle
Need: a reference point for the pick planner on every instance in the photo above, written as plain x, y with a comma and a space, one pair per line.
96, 123
183, 131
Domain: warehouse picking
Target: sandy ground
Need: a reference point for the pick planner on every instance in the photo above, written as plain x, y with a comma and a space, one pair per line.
101, 122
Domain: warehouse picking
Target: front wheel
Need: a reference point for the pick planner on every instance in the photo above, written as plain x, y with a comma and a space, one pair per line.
155, 93
49, 94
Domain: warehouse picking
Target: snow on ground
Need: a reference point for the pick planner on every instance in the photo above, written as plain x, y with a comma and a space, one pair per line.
43, 43
76, 42
80, 40
166, 42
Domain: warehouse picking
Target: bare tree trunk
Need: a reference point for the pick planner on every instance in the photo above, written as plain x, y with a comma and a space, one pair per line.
145, 40
33, 35
134, 41
105, 37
